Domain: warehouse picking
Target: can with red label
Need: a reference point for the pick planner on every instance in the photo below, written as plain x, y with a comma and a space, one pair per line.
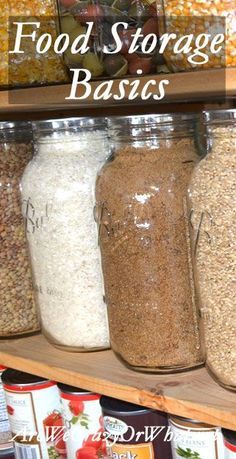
33, 406
133, 431
5, 431
82, 418
229, 443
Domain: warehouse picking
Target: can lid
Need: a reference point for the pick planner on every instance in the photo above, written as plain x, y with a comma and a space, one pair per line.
6, 451
2, 368
230, 436
192, 421
73, 390
15, 377
112, 405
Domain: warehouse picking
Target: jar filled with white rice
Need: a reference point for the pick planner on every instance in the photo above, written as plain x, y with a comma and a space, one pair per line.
58, 207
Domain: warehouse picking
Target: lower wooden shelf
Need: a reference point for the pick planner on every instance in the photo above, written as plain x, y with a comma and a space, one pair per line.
193, 394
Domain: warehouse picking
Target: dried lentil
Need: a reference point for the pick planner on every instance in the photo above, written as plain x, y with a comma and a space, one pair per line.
213, 203
18, 315
145, 254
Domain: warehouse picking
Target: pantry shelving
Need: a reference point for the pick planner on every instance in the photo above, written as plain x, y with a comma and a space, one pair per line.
186, 86
193, 394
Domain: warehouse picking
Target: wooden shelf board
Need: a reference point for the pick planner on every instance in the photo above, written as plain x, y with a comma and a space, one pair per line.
189, 86
192, 394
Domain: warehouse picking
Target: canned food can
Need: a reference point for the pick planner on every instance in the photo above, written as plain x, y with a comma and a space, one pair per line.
33, 406
82, 418
7, 453
229, 444
5, 431
194, 439
134, 431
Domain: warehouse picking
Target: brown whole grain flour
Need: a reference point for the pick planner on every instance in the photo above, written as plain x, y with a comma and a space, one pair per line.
213, 203
146, 257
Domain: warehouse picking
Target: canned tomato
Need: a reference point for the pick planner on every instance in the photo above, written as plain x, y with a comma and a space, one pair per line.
5, 431
33, 405
194, 439
82, 418
134, 431
229, 444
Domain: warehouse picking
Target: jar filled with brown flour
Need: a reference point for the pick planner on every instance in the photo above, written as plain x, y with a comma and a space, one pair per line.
213, 215
18, 313
141, 210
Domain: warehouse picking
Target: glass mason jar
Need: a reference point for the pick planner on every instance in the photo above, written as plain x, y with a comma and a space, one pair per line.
74, 18
198, 17
141, 211
18, 313
30, 67
212, 202
58, 201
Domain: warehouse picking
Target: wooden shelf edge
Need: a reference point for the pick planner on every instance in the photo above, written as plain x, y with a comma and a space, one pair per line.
170, 393
186, 86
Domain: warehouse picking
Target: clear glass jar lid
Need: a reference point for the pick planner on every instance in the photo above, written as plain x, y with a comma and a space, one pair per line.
220, 117
15, 131
147, 126
55, 128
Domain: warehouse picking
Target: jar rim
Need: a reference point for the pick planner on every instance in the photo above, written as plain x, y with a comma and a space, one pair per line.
65, 124
144, 127
12, 125
151, 119
219, 117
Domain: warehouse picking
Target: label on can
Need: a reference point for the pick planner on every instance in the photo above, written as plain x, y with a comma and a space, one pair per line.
197, 442
117, 449
131, 451
35, 420
83, 422
5, 431
230, 450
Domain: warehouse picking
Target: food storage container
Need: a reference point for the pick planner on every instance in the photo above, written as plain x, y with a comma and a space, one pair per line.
8, 453
194, 439
229, 444
102, 57
141, 210
212, 217
134, 431
198, 17
33, 406
82, 415
5, 432
58, 208
30, 67
18, 313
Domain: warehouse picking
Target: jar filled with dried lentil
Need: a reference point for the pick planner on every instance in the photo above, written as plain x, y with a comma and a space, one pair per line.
58, 207
18, 313
141, 210
212, 196
29, 67
198, 17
